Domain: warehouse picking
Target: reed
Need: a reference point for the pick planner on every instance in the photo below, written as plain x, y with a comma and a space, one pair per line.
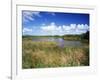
49, 54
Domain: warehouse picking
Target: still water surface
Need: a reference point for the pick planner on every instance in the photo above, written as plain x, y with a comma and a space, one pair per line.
61, 42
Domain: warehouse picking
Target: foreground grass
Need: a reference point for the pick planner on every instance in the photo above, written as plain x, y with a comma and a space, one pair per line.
49, 54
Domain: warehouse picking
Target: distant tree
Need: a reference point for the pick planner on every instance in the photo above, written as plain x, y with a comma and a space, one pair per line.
85, 36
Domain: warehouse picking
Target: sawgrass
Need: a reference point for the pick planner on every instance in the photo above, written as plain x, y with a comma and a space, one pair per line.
45, 54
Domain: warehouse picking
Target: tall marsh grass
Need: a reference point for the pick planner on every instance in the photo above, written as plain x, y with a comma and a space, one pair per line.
49, 54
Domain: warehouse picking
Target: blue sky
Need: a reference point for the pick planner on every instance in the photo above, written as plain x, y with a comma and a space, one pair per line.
54, 23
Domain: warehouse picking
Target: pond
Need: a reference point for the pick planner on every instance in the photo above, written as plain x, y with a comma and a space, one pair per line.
61, 42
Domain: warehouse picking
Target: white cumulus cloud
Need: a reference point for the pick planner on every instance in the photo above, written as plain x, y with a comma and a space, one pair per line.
51, 27
65, 29
82, 26
27, 30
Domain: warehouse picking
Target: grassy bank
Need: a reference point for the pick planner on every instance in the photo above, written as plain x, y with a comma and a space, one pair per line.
49, 54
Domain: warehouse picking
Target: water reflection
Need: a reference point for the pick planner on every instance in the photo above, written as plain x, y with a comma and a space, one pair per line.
60, 41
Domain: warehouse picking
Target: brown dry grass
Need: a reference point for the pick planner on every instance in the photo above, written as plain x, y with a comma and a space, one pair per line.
48, 54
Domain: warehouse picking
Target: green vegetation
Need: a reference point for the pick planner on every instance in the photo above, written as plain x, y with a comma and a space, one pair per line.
72, 37
48, 54
82, 37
